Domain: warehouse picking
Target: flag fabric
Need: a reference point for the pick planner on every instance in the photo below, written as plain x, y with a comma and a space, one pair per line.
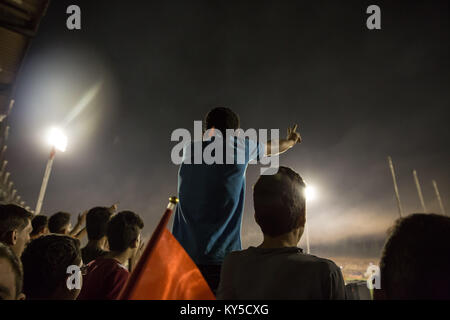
165, 271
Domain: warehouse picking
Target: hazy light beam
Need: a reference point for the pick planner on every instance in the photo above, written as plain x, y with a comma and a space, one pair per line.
83, 103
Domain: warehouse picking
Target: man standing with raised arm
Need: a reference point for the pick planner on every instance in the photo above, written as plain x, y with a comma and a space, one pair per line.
208, 218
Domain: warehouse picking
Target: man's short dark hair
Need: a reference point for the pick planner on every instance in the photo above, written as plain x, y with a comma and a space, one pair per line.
123, 229
279, 202
13, 217
58, 222
222, 118
45, 261
97, 222
415, 263
39, 223
7, 254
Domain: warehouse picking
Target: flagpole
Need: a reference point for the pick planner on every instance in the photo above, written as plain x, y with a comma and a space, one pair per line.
165, 270
438, 196
419, 191
394, 180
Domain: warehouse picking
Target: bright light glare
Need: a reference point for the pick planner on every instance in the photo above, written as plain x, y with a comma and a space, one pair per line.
57, 139
310, 193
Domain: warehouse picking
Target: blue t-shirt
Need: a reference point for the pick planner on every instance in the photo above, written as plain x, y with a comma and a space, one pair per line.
208, 217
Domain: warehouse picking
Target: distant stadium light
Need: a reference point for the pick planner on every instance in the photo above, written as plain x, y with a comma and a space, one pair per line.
57, 139
310, 193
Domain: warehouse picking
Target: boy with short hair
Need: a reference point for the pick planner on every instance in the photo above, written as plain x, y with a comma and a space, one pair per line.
106, 276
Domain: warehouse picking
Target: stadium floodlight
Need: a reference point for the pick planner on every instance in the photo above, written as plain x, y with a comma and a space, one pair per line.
58, 140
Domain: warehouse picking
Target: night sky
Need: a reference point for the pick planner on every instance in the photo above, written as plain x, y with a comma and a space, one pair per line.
357, 95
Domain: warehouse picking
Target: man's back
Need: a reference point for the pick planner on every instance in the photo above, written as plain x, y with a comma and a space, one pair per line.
208, 218
280, 273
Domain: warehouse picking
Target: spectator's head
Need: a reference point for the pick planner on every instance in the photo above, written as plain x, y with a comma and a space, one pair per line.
279, 202
97, 222
45, 262
40, 227
415, 262
124, 232
221, 118
11, 275
59, 223
15, 227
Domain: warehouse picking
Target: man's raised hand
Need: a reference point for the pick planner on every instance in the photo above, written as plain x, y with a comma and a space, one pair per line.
82, 217
113, 208
293, 135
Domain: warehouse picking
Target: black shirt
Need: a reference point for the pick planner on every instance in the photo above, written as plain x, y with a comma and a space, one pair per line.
89, 253
280, 273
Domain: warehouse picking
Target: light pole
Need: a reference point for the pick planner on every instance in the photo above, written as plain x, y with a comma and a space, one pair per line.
419, 191
310, 194
394, 180
438, 196
58, 141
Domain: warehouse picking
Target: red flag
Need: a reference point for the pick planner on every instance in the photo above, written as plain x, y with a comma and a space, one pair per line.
165, 271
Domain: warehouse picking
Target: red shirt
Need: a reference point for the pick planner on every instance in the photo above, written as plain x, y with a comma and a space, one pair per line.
103, 280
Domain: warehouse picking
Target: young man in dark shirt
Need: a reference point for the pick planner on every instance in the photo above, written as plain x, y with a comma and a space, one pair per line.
60, 223
45, 264
40, 227
106, 276
278, 269
96, 224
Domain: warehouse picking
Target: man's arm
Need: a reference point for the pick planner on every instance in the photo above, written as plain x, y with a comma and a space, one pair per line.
80, 235
283, 145
81, 220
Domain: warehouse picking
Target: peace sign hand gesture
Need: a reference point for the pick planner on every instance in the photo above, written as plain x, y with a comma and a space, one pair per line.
293, 135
